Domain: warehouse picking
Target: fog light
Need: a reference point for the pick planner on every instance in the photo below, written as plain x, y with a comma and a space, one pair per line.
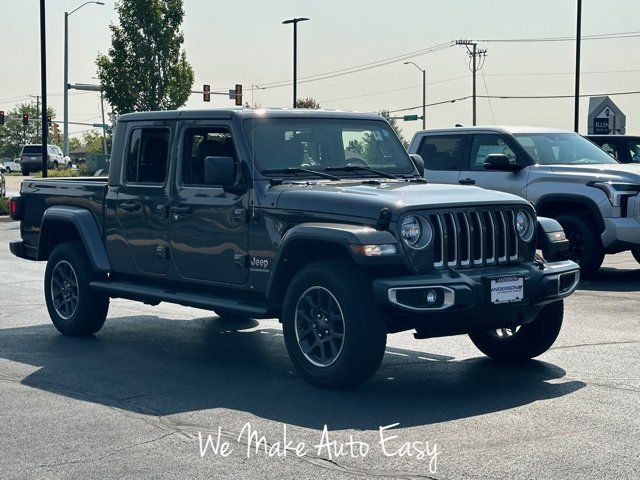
432, 297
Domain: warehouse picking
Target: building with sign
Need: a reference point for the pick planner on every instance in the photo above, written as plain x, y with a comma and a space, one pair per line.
605, 118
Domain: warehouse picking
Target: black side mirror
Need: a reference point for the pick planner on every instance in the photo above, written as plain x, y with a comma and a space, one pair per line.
219, 171
418, 162
500, 162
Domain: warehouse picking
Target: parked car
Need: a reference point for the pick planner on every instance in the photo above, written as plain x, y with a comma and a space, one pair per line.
565, 177
31, 158
624, 148
270, 214
9, 165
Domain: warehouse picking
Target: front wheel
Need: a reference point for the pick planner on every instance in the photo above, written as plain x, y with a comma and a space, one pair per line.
75, 309
585, 246
333, 334
525, 341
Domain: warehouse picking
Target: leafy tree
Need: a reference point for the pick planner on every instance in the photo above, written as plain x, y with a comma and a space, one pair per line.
355, 146
307, 103
92, 142
146, 67
13, 134
394, 124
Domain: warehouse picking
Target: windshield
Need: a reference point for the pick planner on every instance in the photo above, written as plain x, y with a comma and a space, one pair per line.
562, 149
322, 143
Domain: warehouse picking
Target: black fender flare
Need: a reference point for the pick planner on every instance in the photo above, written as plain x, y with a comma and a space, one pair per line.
343, 235
579, 199
87, 228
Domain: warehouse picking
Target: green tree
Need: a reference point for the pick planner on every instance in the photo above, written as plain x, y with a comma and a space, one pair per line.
13, 134
92, 142
307, 103
146, 67
394, 124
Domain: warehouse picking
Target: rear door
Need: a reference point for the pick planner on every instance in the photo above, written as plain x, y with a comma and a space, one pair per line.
483, 144
142, 205
209, 227
443, 156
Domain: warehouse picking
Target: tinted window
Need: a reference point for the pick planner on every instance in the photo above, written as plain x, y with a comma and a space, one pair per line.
562, 149
634, 151
489, 144
148, 155
442, 152
200, 143
611, 149
32, 150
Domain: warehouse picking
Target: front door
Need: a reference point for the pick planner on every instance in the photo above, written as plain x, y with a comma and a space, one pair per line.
142, 199
484, 144
209, 229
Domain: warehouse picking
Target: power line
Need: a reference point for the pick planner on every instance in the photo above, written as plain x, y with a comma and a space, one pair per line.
601, 36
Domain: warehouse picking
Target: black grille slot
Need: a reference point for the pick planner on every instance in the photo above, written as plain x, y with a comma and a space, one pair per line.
472, 239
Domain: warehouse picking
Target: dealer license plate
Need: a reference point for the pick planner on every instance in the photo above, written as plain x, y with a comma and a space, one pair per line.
507, 290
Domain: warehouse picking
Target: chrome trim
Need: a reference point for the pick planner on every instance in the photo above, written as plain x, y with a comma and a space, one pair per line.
512, 222
455, 240
494, 251
480, 236
573, 286
466, 222
440, 264
504, 235
449, 298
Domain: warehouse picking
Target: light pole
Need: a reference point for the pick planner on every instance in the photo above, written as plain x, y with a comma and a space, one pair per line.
424, 93
295, 22
576, 106
66, 74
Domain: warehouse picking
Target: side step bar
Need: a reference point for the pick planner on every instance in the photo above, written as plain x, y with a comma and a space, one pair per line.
149, 294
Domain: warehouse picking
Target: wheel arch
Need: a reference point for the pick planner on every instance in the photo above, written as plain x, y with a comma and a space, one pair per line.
64, 224
555, 204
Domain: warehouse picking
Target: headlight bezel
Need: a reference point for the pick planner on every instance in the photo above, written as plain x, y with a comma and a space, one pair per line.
425, 232
616, 191
529, 232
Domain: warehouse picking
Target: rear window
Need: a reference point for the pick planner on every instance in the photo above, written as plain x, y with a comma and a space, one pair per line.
442, 152
31, 150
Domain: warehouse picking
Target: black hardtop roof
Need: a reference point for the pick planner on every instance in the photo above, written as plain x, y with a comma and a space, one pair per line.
228, 113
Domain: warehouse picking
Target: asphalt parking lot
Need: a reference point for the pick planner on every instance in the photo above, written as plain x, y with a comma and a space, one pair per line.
131, 401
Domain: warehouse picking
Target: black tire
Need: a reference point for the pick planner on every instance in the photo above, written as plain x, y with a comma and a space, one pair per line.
55, 165
528, 341
636, 254
87, 314
585, 246
25, 172
363, 339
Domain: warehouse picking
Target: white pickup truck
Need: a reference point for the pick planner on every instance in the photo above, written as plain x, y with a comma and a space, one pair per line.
566, 177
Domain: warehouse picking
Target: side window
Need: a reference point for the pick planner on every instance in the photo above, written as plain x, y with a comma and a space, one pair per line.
148, 156
634, 151
443, 152
487, 144
611, 149
200, 143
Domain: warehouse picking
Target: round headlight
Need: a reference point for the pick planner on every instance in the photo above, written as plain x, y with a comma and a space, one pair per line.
416, 231
411, 230
524, 225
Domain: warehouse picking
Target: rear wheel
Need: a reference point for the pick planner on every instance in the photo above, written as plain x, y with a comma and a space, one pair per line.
75, 309
585, 246
525, 341
333, 334
25, 172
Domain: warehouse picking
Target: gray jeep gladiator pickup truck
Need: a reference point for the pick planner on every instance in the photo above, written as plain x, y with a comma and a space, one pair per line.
565, 176
318, 218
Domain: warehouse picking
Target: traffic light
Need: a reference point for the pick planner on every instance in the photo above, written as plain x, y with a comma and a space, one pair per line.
205, 95
1, 117
56, 131
238, 94
25, 119
49, 120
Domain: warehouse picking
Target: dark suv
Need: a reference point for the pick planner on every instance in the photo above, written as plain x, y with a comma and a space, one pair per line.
624, 148
318, 218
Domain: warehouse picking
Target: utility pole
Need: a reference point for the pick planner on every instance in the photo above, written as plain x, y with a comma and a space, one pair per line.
424, 93
295, 22
43, 81
37, 97
104, 126
576, 113
477, 57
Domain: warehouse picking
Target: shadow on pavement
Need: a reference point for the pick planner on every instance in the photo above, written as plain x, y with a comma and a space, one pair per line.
162, 367
613, 280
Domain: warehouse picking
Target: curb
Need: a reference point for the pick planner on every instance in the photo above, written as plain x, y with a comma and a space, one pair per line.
5, 219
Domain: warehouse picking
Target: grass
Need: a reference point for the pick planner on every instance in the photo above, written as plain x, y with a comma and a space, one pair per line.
4, 206
65, 172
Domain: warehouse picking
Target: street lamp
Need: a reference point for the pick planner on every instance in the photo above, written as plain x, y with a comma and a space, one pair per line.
295, 22
66, 73
424, 93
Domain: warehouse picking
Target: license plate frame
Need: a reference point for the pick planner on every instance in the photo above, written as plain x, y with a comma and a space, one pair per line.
506, 289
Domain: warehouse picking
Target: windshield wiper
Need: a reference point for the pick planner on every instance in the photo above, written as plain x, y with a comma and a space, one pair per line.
362, 168
301, 170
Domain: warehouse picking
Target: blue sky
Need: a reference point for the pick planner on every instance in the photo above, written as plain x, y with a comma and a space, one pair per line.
243, 41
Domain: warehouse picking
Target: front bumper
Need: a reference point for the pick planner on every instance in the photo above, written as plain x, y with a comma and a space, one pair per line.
464, 303
623, 230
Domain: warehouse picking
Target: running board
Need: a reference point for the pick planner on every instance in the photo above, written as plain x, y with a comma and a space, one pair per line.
152, 294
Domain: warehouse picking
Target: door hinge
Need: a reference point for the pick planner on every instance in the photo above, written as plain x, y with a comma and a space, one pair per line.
240, 214
241, 260
162, 252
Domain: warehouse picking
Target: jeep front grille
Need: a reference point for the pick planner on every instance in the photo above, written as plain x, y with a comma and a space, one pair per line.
474, 238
